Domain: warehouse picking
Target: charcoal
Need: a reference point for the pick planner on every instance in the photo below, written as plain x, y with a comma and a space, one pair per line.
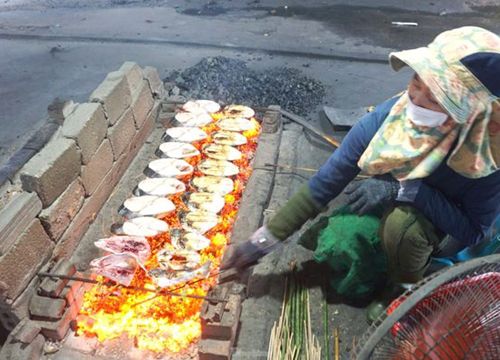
230, 81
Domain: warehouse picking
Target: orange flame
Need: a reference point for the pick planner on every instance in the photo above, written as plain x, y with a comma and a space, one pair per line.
166, 323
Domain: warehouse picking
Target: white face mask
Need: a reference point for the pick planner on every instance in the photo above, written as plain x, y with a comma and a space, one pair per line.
424, 117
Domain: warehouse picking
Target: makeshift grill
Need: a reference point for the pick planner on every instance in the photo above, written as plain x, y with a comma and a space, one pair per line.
157, 294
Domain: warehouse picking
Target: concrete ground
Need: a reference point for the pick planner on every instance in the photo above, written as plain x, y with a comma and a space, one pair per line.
64, 48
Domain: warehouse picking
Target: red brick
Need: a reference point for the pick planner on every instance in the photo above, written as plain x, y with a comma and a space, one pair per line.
97, 168
47, 309
226, 328
57, 330
57, 217
122, 133
23, 260
142, 104
209, 349
52, 170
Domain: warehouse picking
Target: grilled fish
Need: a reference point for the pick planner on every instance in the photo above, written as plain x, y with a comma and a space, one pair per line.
229, 138
137, 246
190, 119
147, 205
218, 168
199, 221
117, 267
198, 106
186, 134
178, 150
206, 201
168, 278
213, 184
170, 167
161, 186
178, 259
222, 152
141, 226
235, 124
239, 111
191, 241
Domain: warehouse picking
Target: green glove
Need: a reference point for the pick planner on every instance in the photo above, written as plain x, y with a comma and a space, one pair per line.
300, 208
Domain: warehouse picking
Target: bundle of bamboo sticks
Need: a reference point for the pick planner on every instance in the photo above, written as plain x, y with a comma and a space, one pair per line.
291, 336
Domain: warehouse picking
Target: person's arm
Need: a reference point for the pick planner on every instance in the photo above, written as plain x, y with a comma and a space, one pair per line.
332, 177
469, 222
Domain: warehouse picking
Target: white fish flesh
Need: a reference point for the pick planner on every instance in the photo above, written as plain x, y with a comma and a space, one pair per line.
136, 246
197, 106
218, 168
191, 241
170, 167
229, 138
206, 201
199, 221
239, 111
161, 186
143, 226
189, 119
149, 205
178, 150
213, 184
235, 124
117, 267
186, 134
222, 152
178, 259
168, 278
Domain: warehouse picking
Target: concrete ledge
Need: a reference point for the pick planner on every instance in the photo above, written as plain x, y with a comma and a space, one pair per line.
114, 94
87, 125
50, 171
16, 216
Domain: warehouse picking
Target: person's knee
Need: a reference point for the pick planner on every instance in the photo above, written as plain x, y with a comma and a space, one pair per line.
407, 241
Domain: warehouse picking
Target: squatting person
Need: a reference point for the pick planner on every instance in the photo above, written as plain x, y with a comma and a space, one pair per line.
433, 154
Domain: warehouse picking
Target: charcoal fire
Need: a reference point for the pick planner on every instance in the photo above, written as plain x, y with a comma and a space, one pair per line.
206, 162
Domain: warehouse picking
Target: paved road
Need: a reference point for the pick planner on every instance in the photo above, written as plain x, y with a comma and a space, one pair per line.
64, 48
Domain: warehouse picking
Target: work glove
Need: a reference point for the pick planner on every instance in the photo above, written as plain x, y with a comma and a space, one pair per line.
261, 243
284, 223
365, 195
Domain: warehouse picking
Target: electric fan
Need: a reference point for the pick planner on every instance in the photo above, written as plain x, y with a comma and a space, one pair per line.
452, 314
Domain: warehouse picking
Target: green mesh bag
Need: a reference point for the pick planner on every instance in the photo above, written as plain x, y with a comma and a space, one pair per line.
350, 245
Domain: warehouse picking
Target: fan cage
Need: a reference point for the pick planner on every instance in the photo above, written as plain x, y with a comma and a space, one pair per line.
477, 280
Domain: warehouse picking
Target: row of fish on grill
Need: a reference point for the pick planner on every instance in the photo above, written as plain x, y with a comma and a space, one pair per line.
178, 261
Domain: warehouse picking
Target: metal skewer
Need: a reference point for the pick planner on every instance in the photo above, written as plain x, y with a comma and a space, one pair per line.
158, 292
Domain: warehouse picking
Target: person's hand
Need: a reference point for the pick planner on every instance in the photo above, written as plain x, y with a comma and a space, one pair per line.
365, 195
242, 255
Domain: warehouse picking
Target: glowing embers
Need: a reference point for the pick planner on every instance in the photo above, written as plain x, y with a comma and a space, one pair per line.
186, 253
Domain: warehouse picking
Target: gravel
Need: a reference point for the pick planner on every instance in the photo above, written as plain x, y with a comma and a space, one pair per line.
230, 81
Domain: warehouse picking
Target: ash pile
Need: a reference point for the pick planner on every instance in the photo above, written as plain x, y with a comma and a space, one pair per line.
230, 81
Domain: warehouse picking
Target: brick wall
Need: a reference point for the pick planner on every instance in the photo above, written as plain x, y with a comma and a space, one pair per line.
60, 190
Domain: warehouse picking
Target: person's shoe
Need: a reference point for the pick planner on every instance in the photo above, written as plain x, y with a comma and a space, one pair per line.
381, 302
375, 309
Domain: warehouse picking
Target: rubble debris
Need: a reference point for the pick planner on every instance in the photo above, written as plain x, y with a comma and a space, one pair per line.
232, 81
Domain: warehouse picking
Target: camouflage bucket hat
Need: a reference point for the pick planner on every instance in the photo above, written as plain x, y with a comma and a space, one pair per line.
461, 67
